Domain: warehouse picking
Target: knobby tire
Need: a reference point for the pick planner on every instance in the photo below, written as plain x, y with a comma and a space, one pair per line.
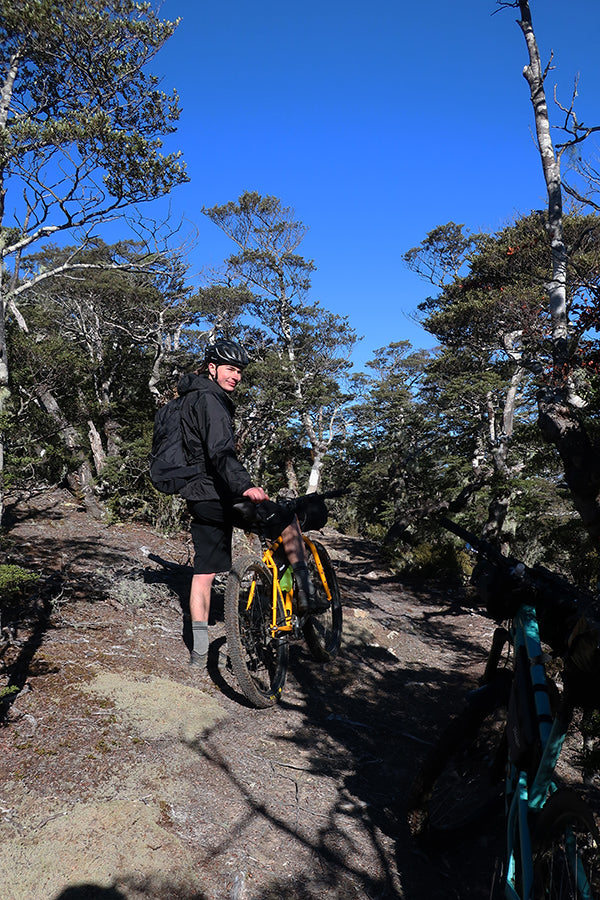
258, 660
323, 632
566, 824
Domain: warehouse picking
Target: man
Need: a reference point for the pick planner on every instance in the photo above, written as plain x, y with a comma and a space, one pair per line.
208, 438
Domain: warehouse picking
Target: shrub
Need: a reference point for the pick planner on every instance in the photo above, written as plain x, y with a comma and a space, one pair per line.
135, 593
434, 561
14, 581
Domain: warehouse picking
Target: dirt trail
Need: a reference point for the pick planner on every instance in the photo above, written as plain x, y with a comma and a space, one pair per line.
126, 776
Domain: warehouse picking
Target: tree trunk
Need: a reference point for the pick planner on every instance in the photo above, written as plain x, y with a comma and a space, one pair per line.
6, 92
112, 432
493, 528
314, 479
558, 418
98, 453
560, 426
4, 395
557, 287
81, 482
292, 478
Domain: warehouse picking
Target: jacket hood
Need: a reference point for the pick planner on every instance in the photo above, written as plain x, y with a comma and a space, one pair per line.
191, 382
204, 384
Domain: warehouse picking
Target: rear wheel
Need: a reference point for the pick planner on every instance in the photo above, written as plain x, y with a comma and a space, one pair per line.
323, 633
258, 660
565, 850
462, 778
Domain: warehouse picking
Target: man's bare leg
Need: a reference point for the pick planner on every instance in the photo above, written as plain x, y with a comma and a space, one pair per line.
295, 550
200, 594
293, 543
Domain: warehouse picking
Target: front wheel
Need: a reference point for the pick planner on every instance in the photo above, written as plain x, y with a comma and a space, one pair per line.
259, 660
462, 778
323, 632
565, 850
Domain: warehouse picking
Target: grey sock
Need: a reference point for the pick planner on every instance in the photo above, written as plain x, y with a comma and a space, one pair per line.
200, 637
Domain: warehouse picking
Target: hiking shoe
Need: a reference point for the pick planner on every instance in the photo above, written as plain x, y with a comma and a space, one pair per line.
198, 660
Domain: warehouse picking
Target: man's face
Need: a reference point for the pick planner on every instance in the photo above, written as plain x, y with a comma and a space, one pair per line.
228, 377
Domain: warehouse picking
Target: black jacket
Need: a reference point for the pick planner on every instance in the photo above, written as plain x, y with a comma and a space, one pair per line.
208, 439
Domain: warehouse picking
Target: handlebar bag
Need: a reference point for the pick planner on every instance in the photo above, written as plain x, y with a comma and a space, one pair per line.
311, 511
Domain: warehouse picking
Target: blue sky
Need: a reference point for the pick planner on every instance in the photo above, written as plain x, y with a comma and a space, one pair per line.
375, 122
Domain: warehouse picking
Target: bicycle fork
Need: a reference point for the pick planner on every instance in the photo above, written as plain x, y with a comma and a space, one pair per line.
523, 795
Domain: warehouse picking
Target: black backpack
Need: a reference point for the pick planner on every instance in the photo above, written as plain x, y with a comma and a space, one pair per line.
169, 468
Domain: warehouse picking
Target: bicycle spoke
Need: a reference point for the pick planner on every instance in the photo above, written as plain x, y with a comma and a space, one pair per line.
566, 865
258, 659
323, 632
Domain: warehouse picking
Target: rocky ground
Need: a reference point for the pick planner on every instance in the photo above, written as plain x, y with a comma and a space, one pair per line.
126, 776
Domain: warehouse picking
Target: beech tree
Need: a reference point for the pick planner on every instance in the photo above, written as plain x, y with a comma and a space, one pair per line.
561, 406
389, 457
81, 127
313, 346
492, 324
485, 318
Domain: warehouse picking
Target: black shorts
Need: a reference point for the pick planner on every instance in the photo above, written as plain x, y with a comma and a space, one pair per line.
212, 527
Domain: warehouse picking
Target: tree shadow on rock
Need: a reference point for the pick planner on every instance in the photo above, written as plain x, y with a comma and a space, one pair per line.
377, 719
366, 722
34, 620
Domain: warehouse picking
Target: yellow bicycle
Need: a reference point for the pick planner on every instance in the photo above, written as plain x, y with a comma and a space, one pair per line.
260, 618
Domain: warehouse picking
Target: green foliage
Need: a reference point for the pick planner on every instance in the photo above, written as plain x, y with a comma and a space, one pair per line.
442, 254
9, 691
126, 487
440, 560
15, 581
106, 110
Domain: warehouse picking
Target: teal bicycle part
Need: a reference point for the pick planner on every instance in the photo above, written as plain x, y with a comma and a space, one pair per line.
504, 748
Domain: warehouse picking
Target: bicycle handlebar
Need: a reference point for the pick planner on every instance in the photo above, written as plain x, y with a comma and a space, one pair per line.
512, 583
310, 508
568, 616
329, 495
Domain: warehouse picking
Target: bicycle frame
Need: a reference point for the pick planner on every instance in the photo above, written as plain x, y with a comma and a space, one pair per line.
279, 627
534, 734
527, 793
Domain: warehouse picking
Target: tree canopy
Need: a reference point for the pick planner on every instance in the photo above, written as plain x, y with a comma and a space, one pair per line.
500, 423
81, 128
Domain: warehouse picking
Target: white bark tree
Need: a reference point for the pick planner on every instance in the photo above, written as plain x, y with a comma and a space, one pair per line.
312, 344
558, 403
80, 135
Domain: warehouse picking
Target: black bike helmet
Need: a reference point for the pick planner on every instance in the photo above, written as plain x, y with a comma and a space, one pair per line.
226, 352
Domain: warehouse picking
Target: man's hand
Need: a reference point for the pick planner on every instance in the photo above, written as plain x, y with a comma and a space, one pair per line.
256, 494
